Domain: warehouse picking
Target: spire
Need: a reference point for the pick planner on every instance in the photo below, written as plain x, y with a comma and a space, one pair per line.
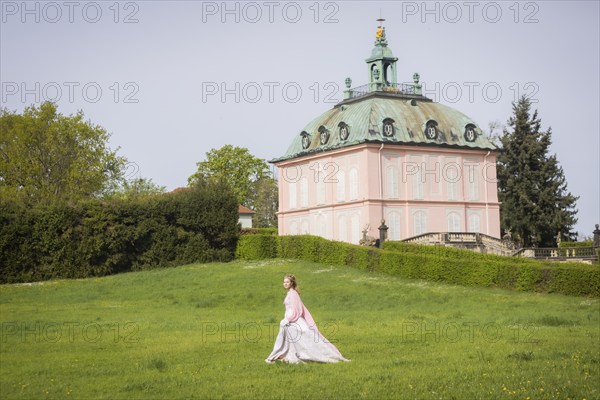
382, 63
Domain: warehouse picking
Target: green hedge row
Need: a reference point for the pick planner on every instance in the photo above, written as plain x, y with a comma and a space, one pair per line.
259, 231
103, 237
441, 264
443, 251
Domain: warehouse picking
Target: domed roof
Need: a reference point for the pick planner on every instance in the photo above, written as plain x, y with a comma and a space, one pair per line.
381, 52
410, 120
385, 111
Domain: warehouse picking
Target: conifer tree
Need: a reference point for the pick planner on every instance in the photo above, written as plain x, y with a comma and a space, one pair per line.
536, 206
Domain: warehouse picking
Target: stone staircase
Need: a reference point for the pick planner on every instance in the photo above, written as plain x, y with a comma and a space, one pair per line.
482, 243
478, 242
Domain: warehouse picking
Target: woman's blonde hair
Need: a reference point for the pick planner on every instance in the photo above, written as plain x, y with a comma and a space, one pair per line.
292, 279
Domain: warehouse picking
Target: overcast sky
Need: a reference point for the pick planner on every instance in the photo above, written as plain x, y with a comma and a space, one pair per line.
172, 80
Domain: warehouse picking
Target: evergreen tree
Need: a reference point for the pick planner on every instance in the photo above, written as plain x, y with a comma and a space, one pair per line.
536, 206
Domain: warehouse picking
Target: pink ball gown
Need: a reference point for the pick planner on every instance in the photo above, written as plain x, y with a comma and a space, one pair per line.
299, 340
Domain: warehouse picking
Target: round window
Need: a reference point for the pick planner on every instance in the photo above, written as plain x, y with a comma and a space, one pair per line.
470, 134
344, 132
388, 129
431, 132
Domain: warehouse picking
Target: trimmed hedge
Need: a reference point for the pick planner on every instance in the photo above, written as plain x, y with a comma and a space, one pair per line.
103, 237
259, 231
432, 263
256, 247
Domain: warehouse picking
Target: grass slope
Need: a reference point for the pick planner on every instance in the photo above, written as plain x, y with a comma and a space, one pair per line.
203, 331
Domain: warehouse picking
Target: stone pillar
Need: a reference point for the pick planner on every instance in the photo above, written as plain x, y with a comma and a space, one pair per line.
597, 237
382, 233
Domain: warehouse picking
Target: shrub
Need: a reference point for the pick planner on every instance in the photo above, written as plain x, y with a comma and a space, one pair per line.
259, 231
101, 237
256, 247
433, 263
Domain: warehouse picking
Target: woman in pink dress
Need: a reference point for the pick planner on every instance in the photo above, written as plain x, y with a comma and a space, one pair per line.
299, 340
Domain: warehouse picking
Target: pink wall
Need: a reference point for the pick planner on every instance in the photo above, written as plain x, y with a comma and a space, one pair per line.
416, 189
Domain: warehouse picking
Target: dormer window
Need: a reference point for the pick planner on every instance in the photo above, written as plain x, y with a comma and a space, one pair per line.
431, 130
470, 133
388, 127
344, 131
323, 135
305, 140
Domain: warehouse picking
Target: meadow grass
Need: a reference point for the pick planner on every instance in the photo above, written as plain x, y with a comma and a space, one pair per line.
203, 331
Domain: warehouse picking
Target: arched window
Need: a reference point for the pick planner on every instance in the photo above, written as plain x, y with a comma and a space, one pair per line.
417, 178
473, 180
321, 189
451, 173
304, 192
474, 223
387, 73
454, 222
293, 228
394, 226
292, 195
419, 223
322, 226
354, 229
417, 184
375, 73
342, 229
353, 178
305, 228
341, 186
392, 181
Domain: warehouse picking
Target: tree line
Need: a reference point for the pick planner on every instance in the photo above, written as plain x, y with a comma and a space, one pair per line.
47, 157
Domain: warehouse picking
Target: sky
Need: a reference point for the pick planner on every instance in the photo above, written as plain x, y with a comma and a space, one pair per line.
172, 80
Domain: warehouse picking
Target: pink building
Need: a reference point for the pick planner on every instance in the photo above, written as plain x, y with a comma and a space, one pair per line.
386, 152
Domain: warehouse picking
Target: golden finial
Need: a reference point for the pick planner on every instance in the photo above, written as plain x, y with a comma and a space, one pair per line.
380, 29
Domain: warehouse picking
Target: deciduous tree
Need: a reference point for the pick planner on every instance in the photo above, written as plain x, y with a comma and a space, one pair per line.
265, 200
46, 156
248, 177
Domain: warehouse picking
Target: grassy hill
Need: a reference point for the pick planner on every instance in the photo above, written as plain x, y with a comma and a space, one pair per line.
204, 331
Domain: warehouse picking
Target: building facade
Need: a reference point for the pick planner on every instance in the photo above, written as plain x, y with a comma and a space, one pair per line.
245, 219
388, 153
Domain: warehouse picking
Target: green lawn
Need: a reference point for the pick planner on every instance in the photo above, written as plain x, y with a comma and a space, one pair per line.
204, 331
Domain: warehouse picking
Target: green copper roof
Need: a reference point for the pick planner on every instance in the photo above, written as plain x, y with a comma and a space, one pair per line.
381, 51
364, 118
386, 112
